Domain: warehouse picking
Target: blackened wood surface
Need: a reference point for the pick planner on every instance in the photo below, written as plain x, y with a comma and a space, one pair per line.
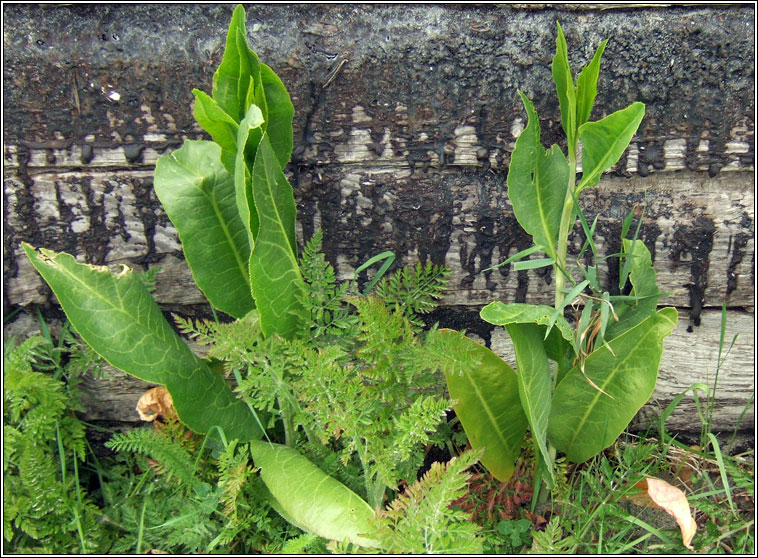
405, 120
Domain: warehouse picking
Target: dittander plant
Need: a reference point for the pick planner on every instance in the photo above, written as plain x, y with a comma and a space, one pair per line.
347, 377
575, 387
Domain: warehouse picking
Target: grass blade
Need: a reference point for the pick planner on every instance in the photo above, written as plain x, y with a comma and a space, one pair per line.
722, 470
515, 257
388, 257
533, 264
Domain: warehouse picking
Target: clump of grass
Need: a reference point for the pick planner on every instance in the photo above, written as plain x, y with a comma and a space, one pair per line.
595, 512
588, 512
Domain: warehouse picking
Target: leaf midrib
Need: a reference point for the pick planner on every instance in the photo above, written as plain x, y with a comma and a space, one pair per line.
279, 221
208, 195
589, 409
487, 409
120, 309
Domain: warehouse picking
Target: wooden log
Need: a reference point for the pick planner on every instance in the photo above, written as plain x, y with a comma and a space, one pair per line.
689, 357
698, 229
402, 142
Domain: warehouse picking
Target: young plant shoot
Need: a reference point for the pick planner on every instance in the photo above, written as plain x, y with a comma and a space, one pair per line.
575, 388
299, 339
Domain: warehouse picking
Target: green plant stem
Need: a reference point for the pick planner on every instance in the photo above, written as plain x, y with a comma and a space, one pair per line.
564, 229
375, 487
289, 431
560, 265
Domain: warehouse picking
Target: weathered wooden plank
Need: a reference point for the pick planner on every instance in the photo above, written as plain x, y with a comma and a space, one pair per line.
699, 229
402, 138
688, 358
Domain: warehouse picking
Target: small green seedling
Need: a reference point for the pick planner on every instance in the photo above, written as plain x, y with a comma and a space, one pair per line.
517, 531
605, 367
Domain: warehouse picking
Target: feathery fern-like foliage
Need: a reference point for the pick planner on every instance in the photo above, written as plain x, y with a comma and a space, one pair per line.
327, 315
172, 458
421, 519
363, 376
415, 291
43, 504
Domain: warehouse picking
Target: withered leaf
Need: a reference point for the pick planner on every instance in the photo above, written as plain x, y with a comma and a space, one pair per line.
155, 402
658, 493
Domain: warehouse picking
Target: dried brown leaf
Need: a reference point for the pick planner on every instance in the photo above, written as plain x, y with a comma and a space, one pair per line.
154, 403
658, 493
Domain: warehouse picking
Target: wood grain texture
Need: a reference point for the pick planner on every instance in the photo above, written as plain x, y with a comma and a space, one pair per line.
402, 142
699, 230
688, 358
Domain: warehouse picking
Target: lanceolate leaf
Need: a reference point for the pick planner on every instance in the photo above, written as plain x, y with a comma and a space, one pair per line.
564, 86
279, 114
487, 403
310, 498
583, 420
249, 134
274, 270
534, 384
221, 126
604, 141
537, 182
586, 86
232, 78
198, 196
117, 317
641, 272
638, 266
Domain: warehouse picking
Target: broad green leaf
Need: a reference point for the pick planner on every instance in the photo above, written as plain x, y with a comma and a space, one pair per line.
586, 86
279, 115
564, 86
604, 141
311, 499
232, 78
638, 267
249, 133
537, 183
583, 420
117, 317
198, 196
641, 271
221, 127
488, 406
534, 384
499, 313
274, 269
241, 80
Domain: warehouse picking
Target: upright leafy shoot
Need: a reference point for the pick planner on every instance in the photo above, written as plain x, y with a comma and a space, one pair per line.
578, 386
